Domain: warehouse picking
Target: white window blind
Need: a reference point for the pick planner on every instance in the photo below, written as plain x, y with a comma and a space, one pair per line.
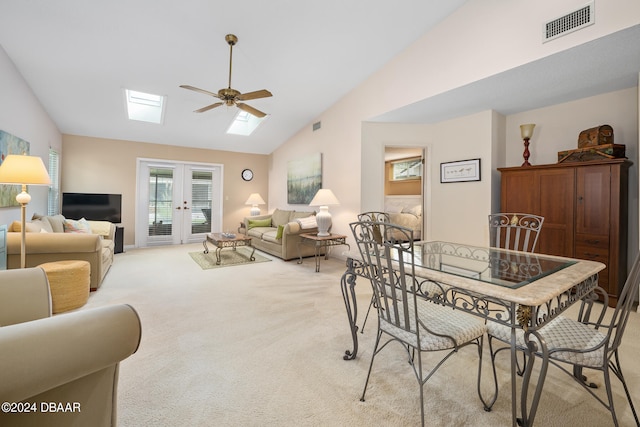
53, 207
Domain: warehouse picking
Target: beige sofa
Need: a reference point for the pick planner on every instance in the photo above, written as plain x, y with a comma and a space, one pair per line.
265, 235
70, 360
46, 241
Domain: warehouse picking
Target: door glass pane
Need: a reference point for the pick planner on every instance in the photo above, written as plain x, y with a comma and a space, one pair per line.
160, 201
201, 182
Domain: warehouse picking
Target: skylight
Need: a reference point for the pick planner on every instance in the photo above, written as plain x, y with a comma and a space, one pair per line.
144, 107
244, 123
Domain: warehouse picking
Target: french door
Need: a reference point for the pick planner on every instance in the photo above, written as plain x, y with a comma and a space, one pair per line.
177, 202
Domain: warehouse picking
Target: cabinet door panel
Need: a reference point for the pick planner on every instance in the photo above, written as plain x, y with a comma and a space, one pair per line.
556, 205
519, 192
593, 194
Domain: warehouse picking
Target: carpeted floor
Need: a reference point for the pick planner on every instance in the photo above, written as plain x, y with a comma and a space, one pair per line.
261, 344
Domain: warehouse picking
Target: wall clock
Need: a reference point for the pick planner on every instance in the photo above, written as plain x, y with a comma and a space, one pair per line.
247, 174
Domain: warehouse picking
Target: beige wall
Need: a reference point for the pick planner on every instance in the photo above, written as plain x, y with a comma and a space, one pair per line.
454, 54
96, 165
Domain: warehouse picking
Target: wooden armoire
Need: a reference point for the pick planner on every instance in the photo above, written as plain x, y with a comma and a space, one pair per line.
585, 208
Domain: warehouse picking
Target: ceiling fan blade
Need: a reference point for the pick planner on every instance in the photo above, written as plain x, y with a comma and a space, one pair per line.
254, 95
249, 109
206, 92
209, 107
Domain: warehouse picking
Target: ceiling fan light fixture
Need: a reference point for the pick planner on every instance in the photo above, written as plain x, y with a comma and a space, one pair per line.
244, 123
229, 96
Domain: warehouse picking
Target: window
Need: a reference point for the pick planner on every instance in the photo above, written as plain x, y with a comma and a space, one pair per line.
244, 123
53, 205
144, 107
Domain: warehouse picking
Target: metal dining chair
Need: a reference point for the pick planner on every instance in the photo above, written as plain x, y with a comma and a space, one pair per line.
517, 231
380, 218
405, 317
584, 343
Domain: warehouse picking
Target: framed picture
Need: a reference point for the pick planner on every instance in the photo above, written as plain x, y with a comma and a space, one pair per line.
460, 171
10, 144
304, 179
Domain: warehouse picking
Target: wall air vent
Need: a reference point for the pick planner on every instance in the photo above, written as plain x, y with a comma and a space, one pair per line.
316, 126
568, 23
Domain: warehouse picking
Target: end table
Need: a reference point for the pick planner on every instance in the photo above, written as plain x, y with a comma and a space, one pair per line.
319, 242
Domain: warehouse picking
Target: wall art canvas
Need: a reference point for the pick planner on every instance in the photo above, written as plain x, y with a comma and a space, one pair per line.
10, 144
304, 179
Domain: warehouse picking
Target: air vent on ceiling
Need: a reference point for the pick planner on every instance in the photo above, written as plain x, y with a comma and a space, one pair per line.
316, 126
568, 23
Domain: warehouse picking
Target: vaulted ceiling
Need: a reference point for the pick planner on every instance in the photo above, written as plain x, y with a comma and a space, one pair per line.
79, 56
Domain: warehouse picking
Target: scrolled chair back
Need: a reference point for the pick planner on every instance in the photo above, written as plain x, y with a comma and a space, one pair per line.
516, 231
379, 217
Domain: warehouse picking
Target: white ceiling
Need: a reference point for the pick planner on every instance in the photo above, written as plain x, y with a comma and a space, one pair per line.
79, 55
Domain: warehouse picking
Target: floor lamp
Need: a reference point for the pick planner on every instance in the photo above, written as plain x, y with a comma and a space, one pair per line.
23, 170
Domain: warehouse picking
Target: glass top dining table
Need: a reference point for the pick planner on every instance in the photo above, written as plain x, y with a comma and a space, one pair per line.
519, 289
490, 265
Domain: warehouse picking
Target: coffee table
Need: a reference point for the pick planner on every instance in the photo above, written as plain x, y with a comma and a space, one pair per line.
221, 241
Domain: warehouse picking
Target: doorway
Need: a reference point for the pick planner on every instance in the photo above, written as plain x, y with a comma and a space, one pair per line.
404, 186
178, 202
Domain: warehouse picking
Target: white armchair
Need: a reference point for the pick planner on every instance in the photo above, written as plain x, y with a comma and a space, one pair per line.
69, 360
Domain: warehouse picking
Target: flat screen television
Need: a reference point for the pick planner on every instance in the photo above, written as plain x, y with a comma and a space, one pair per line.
92, 206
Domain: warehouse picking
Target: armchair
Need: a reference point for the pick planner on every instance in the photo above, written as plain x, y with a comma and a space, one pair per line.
70, 360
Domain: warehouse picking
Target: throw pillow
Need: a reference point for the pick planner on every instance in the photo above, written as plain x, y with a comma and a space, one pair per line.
279, 232
29, 227
56, 222
77, 226
102, 228
280, 217
308, 222
260, 222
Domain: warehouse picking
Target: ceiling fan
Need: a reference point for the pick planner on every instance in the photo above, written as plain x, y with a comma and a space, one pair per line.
231, 96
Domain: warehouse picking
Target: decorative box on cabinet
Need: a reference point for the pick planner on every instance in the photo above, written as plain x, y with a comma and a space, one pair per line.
585, 208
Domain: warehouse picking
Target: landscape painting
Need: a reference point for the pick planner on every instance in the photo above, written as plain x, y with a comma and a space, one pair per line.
304, 179
10, 144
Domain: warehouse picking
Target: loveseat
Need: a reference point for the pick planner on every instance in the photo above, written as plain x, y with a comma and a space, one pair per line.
59, 370
55, 238
278, 233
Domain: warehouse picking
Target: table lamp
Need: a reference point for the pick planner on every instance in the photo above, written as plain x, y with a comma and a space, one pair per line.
254, 200
526, 131
323, 198
23, 170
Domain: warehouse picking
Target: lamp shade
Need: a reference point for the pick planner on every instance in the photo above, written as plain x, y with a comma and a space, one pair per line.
324, 197
255, 199
22, 169
526, 131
